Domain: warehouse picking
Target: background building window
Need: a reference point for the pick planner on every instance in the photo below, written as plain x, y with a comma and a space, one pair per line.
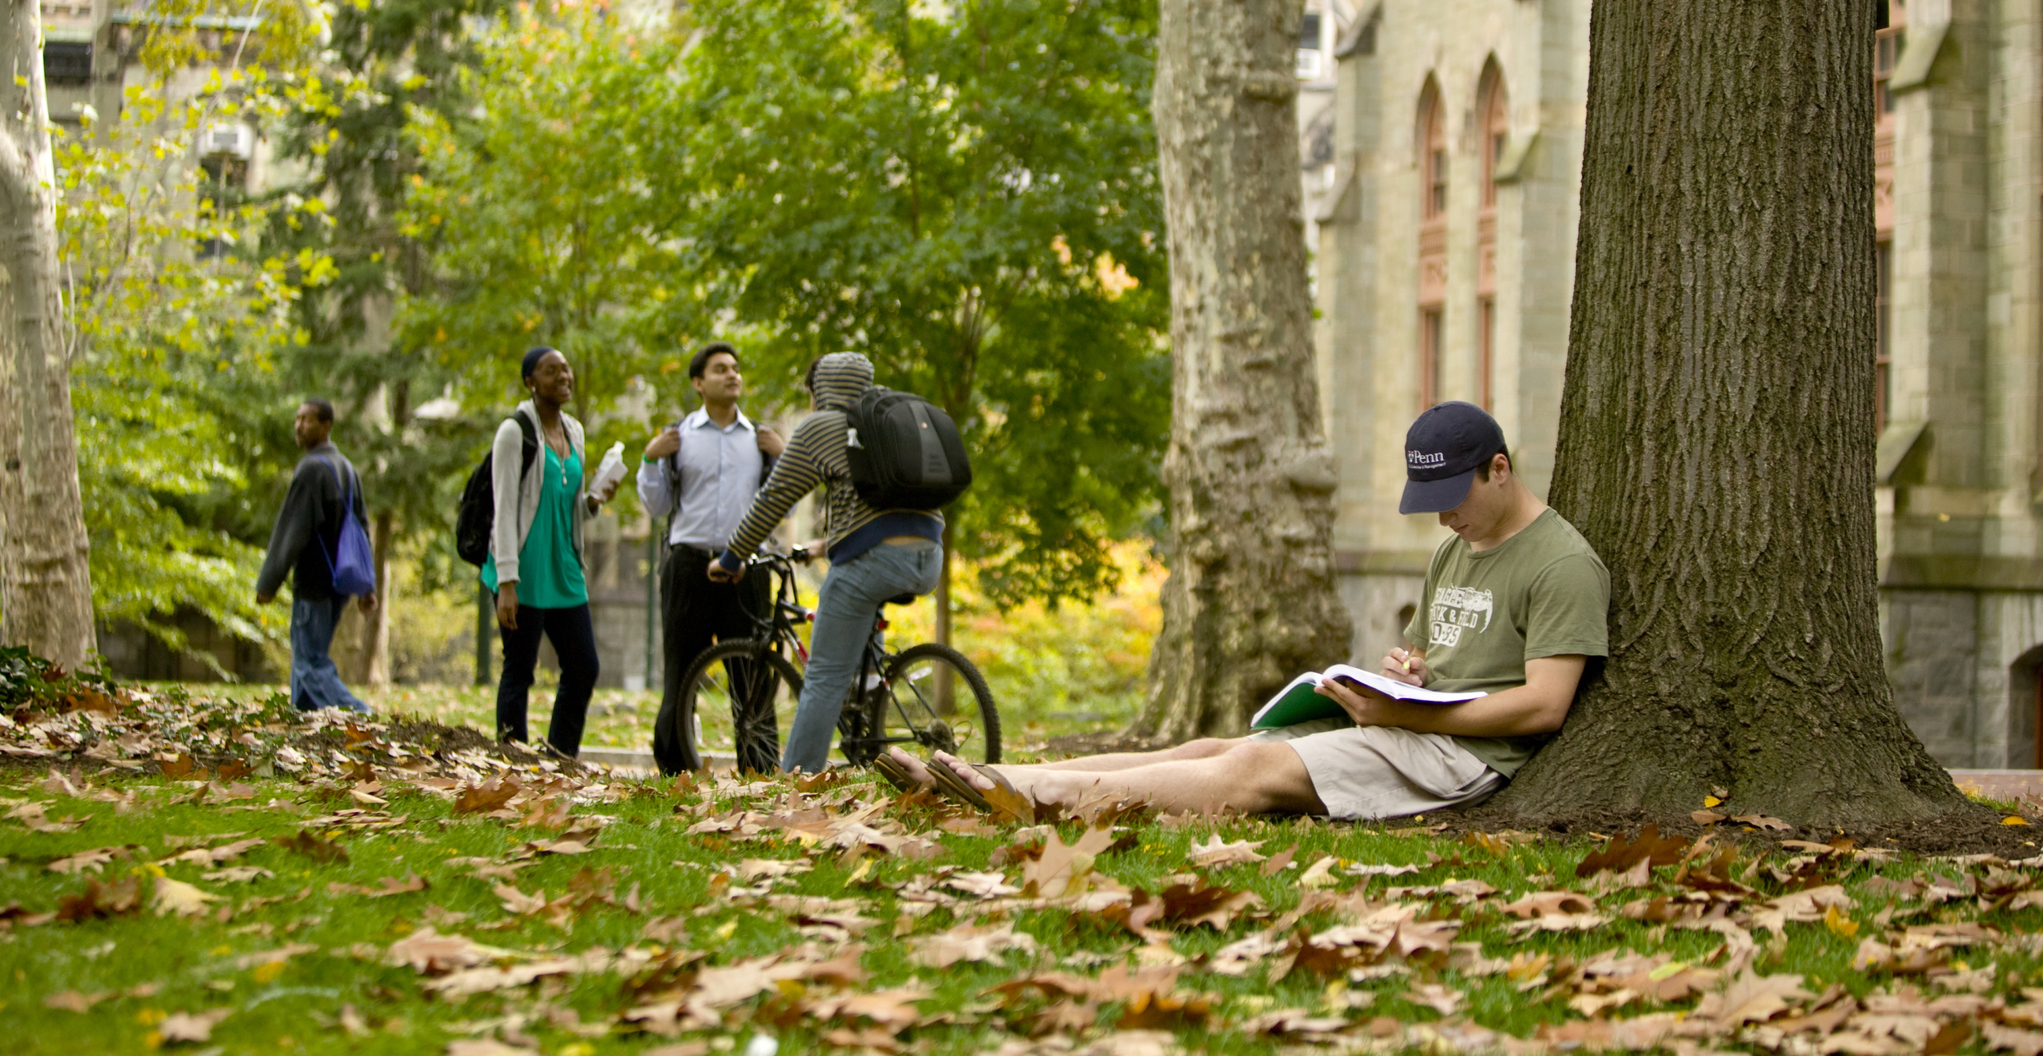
1430, 138
1310, 49
67, 62
1887, 40
1496, 111
1432, 152
1429, 357
1883, 312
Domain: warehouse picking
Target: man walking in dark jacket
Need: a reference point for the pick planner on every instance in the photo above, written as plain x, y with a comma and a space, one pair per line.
303, 544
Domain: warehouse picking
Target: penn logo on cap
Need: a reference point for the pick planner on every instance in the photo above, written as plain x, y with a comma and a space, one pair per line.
1443, 449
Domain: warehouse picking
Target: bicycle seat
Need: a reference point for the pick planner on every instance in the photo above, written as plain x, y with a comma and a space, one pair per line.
899, 599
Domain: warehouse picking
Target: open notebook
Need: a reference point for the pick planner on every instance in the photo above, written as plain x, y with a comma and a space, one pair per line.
1300, 701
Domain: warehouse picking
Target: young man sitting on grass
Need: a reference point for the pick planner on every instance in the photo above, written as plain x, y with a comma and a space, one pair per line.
1514, 605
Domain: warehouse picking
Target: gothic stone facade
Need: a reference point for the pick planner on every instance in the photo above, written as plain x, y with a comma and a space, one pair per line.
1445, 253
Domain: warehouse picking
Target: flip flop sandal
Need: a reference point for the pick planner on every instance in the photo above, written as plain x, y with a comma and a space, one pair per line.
948, 782
895, 774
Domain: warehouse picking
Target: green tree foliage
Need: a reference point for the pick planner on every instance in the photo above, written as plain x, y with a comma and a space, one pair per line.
961, 194
387, 59
549, 220
967, 194
178, 315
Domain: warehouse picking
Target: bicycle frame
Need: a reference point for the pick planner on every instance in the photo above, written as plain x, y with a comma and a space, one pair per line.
779, 629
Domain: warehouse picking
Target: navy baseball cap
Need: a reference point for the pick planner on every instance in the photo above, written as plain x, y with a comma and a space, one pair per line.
1442, 451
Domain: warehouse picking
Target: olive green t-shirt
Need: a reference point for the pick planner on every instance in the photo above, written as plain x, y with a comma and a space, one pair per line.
1542, 592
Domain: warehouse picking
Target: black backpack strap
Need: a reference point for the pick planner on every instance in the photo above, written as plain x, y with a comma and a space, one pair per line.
530, 430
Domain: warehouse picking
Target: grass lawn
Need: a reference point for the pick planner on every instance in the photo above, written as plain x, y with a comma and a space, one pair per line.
206, 875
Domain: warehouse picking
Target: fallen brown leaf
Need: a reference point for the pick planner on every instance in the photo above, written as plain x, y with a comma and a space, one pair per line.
186, 1026
1214, 852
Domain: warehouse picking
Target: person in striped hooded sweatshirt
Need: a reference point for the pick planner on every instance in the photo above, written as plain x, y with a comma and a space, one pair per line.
874, 554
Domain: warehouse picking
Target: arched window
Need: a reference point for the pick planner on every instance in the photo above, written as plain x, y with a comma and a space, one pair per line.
1430, 137
1495, 107
1494, 110
1432, 140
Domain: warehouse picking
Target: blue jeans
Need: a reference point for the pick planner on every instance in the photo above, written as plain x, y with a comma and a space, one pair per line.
845, 610
315, 683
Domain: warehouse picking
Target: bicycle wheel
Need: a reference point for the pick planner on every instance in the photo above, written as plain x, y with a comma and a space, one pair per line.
908, 707
752, 683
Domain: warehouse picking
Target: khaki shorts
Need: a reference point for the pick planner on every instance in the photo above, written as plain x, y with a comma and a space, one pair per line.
1364, 773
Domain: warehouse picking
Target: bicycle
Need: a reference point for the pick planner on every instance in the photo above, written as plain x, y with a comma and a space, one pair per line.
897, 697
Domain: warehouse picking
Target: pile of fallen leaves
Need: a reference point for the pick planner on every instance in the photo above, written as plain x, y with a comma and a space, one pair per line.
177, 735
682, 917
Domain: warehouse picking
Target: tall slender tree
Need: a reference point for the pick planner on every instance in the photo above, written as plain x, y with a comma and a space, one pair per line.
45, 581
1250, 601
392, 58
1717, 425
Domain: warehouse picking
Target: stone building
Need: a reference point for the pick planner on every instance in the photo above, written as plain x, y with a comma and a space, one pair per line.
1445, 239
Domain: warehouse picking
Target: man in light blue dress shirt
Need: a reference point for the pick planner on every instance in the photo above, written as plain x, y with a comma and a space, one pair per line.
702, 474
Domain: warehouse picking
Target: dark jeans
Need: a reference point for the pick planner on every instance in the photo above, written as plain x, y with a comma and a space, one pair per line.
695, 612
315, 682
574, 641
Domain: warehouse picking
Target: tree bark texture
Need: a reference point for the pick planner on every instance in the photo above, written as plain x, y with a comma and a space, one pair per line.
45, 584
1251, 599
1716, 439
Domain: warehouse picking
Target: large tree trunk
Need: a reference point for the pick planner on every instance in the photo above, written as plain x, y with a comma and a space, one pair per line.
1716, 441
45, 583
1250, 601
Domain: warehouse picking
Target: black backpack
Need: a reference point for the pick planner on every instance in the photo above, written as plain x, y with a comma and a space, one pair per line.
476, 516
905, 452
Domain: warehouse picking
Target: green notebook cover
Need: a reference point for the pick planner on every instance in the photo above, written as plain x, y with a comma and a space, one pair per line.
1301, 701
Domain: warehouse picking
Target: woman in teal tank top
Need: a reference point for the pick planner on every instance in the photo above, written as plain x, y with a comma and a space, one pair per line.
535, 565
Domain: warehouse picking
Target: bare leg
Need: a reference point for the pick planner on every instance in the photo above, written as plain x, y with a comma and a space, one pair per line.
1203, 748
1253, 777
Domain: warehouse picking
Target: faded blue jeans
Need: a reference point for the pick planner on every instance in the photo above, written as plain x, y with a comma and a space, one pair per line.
315, 682
845, 609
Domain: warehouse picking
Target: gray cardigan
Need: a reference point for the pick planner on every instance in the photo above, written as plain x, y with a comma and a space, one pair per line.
517, 495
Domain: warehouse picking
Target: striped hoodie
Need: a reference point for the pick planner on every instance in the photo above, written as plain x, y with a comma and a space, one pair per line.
816, 455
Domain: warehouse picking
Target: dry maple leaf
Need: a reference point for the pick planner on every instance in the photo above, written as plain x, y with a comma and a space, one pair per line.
2021, 1042
981, 885
1214, 852
87, 861
1061, 869
185, 1026
967, 942
101, 900
73, 1001
427, 951
311, 846
1280, 860
482, 799
176, 896
237, 874
487, 1047
1549, 903
1621, 856
516, 901
1320, 873
1751, 998
1439, 998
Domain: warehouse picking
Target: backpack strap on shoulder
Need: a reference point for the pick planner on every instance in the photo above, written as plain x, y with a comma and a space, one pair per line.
529, 429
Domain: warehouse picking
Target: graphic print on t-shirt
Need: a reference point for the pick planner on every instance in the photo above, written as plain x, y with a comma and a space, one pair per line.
1456, 609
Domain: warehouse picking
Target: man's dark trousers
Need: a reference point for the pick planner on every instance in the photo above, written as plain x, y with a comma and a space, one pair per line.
695, 612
